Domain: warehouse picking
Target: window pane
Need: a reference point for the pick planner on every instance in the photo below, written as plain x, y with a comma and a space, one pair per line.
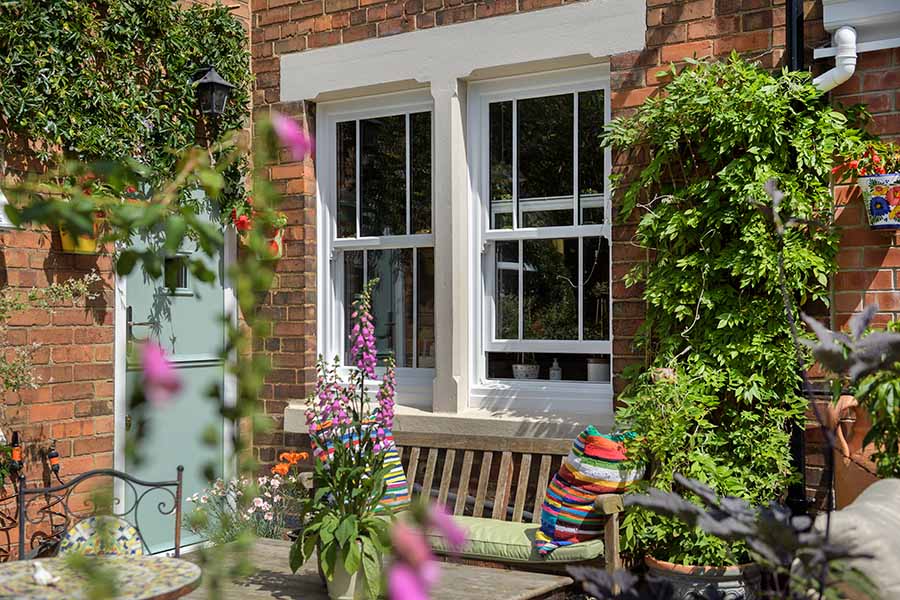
425, 308
420, 171
590, 156
572, 367
501, 134
392, 303
596, 288
383, 176
545, 160
353, 284
507, 295
346, 179
551, 289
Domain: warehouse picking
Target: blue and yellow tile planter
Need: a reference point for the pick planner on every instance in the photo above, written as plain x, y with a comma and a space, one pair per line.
881, 195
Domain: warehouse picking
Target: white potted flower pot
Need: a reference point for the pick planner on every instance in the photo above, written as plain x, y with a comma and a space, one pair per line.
522, 371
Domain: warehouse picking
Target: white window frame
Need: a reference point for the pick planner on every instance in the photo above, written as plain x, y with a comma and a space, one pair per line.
414, 385
524, 394
5, 223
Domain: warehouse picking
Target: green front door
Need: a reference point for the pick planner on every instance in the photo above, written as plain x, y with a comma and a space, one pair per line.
187, 323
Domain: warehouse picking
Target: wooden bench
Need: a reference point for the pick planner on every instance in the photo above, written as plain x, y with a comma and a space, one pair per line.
508, 476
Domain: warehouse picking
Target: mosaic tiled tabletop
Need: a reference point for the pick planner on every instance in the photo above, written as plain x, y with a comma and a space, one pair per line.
138, 578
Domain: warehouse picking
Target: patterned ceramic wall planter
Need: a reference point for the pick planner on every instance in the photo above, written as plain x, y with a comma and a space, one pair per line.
881, 194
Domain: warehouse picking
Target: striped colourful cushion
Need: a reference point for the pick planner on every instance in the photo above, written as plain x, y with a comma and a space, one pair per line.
594, 466
396, 496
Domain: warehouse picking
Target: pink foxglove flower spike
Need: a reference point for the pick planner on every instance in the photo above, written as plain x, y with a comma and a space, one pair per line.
161, 380
291, 136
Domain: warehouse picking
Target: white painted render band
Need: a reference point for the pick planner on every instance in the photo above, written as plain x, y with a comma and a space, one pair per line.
595, 28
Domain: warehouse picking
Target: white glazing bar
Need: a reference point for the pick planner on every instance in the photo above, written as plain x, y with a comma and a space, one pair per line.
408, 208
419, 240
515, 167
546, 233
576, 201
415, 305
521, 291
358, 185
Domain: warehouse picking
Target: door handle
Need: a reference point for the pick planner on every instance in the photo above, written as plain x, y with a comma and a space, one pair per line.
130, 324
127, 422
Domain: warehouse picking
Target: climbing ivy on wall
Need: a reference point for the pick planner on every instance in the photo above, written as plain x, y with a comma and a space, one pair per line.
111, 79
723, 386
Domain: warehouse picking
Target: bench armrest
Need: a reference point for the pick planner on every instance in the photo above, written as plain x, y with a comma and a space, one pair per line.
609, 504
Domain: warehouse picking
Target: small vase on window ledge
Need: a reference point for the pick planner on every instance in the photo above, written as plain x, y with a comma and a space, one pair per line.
523, 370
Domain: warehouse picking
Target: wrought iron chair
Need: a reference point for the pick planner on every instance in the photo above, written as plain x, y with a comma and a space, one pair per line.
57, 506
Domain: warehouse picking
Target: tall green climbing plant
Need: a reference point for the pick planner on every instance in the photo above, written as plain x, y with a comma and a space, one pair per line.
715, 311
111, 79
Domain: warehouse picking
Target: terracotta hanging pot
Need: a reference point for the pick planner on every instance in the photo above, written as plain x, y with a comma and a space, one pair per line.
274, 243
854, 469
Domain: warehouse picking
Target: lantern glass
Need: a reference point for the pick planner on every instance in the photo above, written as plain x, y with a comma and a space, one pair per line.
212, 92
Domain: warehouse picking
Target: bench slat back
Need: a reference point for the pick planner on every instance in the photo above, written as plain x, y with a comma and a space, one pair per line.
511, 473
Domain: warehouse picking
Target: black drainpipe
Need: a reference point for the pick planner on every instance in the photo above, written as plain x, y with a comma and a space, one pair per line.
797, 499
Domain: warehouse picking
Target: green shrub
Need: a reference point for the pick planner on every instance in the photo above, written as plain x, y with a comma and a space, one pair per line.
715, 310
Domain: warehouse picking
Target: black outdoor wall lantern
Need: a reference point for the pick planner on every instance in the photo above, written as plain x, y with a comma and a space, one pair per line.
212, 91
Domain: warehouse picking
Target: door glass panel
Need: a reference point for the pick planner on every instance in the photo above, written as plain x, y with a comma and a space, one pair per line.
501, 148
420, 171
392, 303
425, 307
383, 176
545, 160
551, 289
596, 288
346, 179
507, 296
590, 156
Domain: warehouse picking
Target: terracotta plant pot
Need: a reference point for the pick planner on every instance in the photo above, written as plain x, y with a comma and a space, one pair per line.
274, 243
881, 195
854, 469
741, 582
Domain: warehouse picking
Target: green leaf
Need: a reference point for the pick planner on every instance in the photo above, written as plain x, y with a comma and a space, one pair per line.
371, 562
297, 556
346, 530
352, 557
175, 230
126, 261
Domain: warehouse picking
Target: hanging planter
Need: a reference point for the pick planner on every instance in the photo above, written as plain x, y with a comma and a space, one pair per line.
881, 194
877, 173
242, 217
81, 244
274, 237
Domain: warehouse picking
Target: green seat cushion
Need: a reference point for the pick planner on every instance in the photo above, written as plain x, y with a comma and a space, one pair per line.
502, 541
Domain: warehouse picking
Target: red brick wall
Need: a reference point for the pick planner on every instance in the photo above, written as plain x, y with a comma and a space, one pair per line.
73, 363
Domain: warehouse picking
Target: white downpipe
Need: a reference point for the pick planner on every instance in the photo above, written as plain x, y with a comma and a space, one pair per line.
844, 61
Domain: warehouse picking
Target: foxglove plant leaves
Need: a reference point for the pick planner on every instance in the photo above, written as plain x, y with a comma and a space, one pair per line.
856, 355
860, 321
875, 352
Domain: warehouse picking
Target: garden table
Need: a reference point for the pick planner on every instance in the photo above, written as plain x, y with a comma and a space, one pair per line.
273, 580
138, 578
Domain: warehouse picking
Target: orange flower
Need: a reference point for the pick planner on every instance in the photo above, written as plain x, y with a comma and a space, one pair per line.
292, 458
281, 469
